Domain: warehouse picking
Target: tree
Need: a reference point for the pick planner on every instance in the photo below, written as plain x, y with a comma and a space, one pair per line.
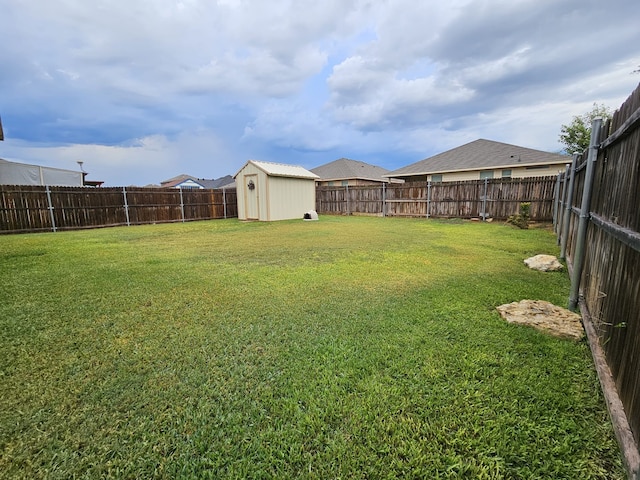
575, 136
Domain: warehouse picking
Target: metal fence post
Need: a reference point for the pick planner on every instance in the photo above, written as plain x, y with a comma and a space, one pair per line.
484, 200
429, 199
126, 205
51, 215
563, 203
224, 201
578, 261
347, 196
181, 205
564, 236
384, 198
556, 202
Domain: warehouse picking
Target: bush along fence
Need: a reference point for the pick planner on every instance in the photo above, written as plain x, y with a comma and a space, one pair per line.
489, 198
26, 208
597, 219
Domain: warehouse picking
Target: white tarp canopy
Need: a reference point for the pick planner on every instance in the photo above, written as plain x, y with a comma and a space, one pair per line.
13, 173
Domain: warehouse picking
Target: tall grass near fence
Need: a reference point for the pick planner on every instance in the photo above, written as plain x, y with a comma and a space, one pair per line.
350, 347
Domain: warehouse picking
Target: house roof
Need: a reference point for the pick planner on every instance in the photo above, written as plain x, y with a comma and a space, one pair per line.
480, 155
222, 182
176, 180
280, 170
345, 168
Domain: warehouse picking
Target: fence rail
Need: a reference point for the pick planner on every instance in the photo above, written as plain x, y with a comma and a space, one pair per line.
25, 208
495, 198
598, 226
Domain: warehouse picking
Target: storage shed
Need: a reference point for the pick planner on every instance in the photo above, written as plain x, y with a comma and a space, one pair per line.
274, 191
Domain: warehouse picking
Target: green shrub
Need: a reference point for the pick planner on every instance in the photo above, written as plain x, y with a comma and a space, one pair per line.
521, 220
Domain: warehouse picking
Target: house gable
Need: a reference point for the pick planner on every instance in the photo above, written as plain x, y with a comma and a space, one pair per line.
189, 183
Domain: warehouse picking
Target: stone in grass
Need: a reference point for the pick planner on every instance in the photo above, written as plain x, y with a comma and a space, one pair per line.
544, 316
544, 263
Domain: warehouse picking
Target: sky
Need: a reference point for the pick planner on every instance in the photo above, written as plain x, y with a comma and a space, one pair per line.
141, 91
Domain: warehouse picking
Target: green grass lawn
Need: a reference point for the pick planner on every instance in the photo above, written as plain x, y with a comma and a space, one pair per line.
351, 347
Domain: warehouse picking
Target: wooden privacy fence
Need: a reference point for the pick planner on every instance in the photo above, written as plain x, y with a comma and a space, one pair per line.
597, 218
26, 208
490, 198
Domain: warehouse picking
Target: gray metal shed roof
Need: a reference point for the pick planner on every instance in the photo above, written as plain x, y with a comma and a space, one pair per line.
480, 155
280, 170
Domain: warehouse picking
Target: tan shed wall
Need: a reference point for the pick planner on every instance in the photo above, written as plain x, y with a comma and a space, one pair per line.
290, 197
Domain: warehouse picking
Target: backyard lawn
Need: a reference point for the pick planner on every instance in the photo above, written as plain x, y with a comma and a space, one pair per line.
351, 347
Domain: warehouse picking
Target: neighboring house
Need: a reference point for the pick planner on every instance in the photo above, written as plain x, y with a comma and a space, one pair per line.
187, 181
14, 173
223, 182
482, 159
274, 191
350, 172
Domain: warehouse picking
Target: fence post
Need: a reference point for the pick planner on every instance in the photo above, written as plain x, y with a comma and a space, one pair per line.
224, 201
567, 208
484, 200
181, 205
126, 206
563, 203
347, 196
578, 261
556, 202
428, 198
384, 198
53, 219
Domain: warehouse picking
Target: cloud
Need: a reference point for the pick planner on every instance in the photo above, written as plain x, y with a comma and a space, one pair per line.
150, 159
256, 73
145, 89
481, 56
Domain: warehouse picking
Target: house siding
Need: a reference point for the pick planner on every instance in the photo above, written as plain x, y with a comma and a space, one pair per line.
516, 172
353, 182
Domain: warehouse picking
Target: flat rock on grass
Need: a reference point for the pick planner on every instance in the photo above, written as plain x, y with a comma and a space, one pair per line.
544, 316
544, 263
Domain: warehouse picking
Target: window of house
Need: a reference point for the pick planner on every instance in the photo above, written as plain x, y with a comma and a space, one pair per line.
506, 173
486, 174
330, 184
437, 178
345, 183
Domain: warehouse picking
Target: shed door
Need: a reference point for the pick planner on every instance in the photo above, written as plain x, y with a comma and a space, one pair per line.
251, 197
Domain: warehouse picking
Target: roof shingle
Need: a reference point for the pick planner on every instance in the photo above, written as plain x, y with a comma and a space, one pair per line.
345, 168
478, 155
